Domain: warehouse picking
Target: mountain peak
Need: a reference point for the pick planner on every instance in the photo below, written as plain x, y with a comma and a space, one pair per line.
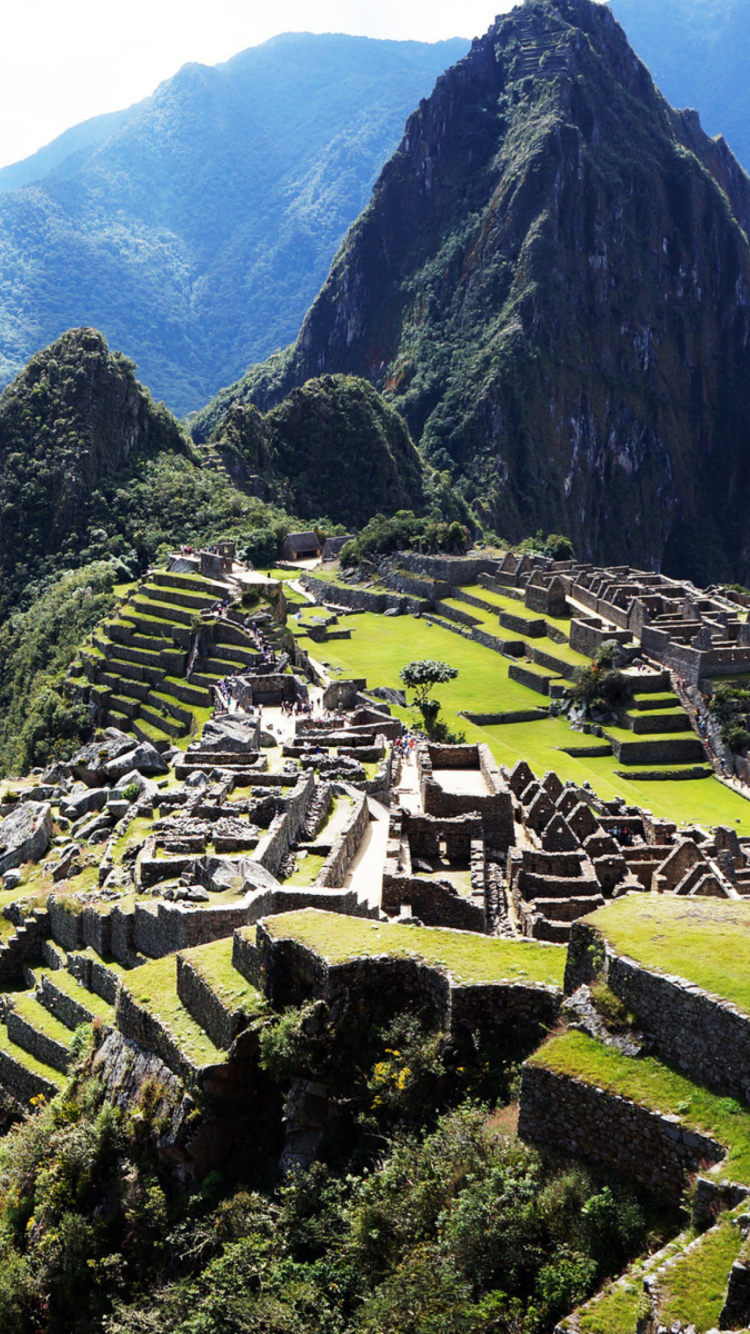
552, 284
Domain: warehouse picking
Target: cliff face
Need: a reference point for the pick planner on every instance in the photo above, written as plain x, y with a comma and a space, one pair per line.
74, 418
552, 283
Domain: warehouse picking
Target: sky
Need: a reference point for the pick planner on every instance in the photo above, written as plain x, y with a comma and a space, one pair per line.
62, 61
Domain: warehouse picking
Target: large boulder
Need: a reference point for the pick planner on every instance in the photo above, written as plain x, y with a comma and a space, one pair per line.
82, 803
144, 758
240, 874
25, 834
233, 733
89, 764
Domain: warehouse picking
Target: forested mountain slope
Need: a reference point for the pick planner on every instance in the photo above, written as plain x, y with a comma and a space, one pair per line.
552, 283
195, 228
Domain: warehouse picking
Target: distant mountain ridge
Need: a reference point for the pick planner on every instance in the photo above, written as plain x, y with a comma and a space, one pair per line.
698, 52
195, 228
552, 284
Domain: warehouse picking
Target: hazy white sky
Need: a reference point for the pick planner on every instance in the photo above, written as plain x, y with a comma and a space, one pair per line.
62, 61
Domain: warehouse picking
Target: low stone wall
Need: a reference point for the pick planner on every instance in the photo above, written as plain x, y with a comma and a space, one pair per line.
434, 903
45, 1049
221, 1023
344, 850
360, 599
525, 676
496, 719
654, 753
579, 1120
707, 1037
144, 1029
23, 1084
455, 614
69, 1011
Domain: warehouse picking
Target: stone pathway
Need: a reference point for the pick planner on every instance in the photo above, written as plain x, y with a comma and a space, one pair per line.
365, 875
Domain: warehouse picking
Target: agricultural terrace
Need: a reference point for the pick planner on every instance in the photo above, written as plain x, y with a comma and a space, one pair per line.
467, 957
655, 1086
705, 941
381, 645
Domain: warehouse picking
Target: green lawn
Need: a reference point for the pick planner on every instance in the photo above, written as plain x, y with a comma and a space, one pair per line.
647, 1082
706, 941
381, 645
468, 957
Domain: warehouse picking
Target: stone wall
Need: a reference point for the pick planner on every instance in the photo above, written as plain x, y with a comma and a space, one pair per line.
137, 1023
521, 1014
346, 846
220, 1022
359, 599
566, 1116
67, 1009
21, 1083
66, 924
44, 1048
448, 569
705, 1036
435, 903
176, 927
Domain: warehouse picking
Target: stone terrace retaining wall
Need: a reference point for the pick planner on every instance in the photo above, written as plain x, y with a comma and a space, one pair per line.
144, 1029
359, 599
23, 1084
290, 973
345, 848
64, 1007
573, 1118
702, 1034
45, 1049
174, 927
215, 1018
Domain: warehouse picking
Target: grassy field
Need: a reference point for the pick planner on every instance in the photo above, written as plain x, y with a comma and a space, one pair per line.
671, 934
649, 1083
468, 957
380, 646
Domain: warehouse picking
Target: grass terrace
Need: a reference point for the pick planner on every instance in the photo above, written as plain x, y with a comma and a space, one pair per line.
705, 941
154, 987
213, 963
468, 958
651, 1084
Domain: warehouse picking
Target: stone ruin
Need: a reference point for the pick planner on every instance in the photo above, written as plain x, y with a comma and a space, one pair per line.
573, 851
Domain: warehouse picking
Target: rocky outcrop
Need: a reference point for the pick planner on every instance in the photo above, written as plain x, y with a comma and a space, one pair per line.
25, 834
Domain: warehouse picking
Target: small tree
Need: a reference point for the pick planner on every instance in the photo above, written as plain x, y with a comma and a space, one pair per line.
422, 677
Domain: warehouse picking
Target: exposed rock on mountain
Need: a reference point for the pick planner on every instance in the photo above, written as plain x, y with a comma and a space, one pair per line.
552, 283
332, 447
195, 228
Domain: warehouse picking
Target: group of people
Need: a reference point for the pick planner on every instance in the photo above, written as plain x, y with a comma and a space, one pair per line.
266, 651
404, 745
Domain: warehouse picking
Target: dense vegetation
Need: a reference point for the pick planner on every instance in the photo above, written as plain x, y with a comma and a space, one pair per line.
492, 324
196, 228
436, 1220
334, 446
